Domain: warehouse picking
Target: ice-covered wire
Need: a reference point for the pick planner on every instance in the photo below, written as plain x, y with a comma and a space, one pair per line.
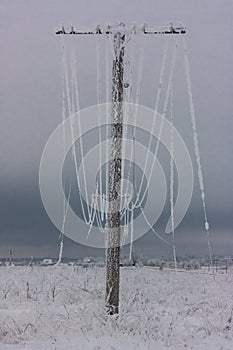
161, 78
135, 112
69, 104
152, 228
63, 226
108, 87
140, 201
131, 234
98, 89
172, 181
76, 87
196, 146
61, 236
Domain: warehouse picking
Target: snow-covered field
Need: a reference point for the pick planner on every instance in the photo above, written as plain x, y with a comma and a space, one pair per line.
63, 308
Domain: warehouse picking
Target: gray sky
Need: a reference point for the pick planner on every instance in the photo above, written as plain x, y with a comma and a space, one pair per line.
30, 100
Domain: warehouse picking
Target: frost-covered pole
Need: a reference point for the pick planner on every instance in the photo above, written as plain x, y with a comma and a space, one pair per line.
114, 196
114, 181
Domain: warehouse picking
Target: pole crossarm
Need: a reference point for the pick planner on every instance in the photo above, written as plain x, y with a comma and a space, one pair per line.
122, 28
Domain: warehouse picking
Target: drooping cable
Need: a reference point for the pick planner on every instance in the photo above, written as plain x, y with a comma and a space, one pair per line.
70, 112
196, 147
172, 181
160, 85
98, 89
140, 201
76, 87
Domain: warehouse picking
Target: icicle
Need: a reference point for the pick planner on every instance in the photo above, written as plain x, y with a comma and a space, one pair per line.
196, 147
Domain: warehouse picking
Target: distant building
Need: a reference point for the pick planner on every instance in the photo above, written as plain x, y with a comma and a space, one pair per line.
47, 262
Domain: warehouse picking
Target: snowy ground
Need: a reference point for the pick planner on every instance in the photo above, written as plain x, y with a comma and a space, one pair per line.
63, 308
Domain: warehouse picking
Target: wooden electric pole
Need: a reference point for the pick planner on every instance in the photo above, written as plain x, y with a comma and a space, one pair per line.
113, 230
114, 196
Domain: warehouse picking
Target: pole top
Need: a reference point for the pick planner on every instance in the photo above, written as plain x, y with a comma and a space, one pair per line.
122, 28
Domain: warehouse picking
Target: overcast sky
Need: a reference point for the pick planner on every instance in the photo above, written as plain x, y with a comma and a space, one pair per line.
30, 107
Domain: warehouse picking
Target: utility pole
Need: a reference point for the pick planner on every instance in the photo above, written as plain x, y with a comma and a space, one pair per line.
113, 229
10, 255
114, 195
